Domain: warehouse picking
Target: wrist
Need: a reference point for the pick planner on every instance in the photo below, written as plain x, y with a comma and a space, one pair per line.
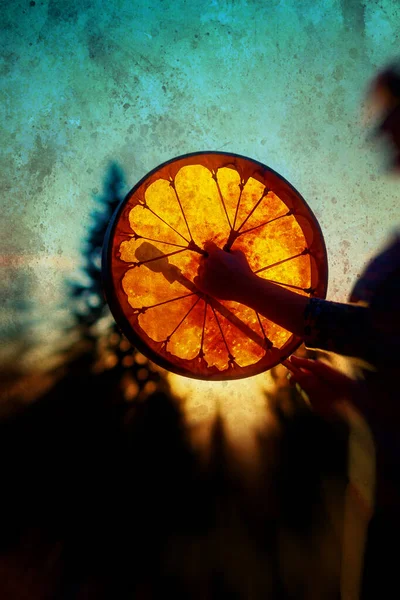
246, 289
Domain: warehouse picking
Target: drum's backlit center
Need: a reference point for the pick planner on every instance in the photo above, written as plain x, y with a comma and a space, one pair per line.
168, 223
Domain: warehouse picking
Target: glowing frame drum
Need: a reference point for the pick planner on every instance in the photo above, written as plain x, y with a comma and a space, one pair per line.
154, 244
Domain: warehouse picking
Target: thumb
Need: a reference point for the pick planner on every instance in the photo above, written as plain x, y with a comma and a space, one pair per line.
210, 246
240, 255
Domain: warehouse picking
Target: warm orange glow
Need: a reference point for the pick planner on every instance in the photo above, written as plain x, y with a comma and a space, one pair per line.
157, 244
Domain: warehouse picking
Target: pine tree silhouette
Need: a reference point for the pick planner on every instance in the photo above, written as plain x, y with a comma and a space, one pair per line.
110, 349
88, 299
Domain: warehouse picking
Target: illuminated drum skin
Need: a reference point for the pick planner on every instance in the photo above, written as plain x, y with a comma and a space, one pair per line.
154, 246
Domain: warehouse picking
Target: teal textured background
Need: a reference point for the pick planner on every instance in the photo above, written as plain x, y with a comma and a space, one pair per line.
85, 83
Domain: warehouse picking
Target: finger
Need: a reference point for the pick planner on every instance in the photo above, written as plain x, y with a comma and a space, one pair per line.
238, 253
321, 369
201, 269
290, 367
313, 366
297, 374
303, 381
293, 381
293, 369
210, 246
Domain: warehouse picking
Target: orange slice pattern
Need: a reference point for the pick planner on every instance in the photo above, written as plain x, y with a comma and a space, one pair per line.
155, 244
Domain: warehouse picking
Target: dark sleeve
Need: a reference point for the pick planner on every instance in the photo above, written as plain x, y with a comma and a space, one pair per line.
341, 328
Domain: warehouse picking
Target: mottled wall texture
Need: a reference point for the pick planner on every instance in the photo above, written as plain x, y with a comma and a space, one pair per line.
87, 82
